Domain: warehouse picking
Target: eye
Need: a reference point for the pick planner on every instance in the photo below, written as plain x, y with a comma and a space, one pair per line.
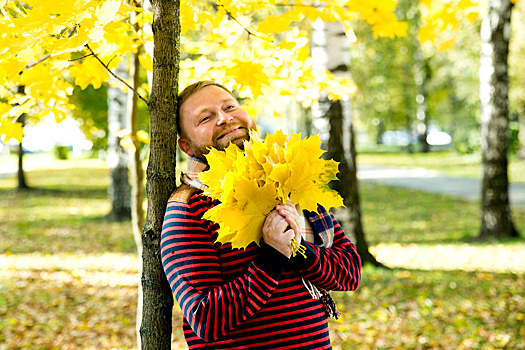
204, 119
230, 107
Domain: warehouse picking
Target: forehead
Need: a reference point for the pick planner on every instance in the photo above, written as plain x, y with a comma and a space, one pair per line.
208, 96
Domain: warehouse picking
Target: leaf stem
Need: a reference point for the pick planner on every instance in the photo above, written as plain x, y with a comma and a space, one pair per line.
298, 248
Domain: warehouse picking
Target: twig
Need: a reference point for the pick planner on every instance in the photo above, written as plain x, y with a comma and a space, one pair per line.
116, 77
45, 57
239, 23
40, 60
78, 59
112, 58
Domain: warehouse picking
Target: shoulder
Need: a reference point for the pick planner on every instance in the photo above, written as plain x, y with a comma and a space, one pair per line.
188, 200
182, 194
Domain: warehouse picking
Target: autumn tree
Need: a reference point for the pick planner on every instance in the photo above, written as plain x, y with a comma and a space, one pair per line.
496, 218
331, 47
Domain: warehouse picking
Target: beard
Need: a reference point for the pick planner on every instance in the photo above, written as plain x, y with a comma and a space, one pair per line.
220, 142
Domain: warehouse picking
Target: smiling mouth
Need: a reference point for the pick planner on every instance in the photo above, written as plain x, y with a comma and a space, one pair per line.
230, 131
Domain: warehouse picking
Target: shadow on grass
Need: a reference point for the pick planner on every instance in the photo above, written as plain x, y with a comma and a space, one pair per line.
88, 192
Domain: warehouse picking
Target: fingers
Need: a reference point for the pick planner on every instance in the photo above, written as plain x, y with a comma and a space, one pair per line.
275, 222
275, 233
289, 211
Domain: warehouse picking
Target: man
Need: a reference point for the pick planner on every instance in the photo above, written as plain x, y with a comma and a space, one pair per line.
260, 297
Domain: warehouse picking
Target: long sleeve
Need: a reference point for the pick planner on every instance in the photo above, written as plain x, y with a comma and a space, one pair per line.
212, 303
336, 268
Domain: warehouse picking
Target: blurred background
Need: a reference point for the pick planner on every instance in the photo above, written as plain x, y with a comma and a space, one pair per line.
432, 170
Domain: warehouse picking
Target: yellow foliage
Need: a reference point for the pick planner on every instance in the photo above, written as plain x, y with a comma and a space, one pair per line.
90, 71
248, 74
250, 184
278, 24
9, 129
146, 62
143, 136
443, 17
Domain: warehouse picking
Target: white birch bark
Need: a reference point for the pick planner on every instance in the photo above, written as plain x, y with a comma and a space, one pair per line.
496, 219
119, 191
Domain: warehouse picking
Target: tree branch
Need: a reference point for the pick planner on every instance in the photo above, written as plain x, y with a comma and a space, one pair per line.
116, 77
45, 57
239, 23
78, 59
32, 64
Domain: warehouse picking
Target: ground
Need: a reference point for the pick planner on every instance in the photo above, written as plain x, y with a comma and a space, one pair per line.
68, 277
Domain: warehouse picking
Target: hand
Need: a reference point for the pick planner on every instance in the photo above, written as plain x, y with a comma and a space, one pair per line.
290, 213
275, 233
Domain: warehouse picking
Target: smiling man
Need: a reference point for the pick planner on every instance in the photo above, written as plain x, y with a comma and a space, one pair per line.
210, 116
259, 297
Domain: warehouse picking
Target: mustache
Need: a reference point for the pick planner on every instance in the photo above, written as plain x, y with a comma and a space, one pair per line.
219, 133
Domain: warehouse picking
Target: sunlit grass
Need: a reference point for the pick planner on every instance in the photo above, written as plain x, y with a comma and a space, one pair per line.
399, 215
446, 310
69, 277
448, 162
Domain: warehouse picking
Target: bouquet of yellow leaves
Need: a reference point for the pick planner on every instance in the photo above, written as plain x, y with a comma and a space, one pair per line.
252, 182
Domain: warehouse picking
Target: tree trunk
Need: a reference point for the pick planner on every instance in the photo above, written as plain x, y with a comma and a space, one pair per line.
422, 78
521, 137
496, 221
341, 144
155, 330
119, 190
22, 184
136, 172
408, 117
347, 186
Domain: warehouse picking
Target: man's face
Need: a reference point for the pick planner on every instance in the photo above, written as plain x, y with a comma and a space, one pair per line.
212, 117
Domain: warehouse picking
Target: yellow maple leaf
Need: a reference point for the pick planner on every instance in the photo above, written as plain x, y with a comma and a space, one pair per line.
249, 211
249, 74
250, 184
89, 72
10, 130
107, 11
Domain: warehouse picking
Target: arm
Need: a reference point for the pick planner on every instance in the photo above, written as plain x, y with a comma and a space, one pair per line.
335, 268
212, 307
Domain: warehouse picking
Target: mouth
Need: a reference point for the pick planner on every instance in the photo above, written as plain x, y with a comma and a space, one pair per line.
230, 132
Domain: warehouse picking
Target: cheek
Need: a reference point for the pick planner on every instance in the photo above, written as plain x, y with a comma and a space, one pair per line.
247, 120
204, 133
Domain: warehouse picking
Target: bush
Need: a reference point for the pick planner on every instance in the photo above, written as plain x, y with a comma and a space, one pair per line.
61, 152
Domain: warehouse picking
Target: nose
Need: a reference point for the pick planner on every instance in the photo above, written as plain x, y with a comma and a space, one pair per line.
223, 117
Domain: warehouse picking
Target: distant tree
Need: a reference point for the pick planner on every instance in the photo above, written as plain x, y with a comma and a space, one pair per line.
21, 177
496, 218
333, 54
517, 74
119, 190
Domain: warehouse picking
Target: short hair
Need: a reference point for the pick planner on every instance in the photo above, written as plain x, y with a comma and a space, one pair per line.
190, 90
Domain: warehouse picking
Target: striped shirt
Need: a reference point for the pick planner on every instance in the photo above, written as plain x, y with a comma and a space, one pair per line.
254, 297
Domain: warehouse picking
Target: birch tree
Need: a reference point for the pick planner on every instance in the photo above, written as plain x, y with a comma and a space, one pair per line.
496, 217
331, 52
119, 191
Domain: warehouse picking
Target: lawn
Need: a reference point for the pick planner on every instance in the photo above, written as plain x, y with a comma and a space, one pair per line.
68, 277
448, 162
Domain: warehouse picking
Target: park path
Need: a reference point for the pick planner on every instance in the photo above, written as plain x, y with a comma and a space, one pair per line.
433, 181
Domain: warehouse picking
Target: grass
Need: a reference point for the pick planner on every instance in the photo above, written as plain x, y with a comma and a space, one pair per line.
61, 263
449, 162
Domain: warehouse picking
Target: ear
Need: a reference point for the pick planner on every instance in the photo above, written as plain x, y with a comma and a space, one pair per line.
184, 145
